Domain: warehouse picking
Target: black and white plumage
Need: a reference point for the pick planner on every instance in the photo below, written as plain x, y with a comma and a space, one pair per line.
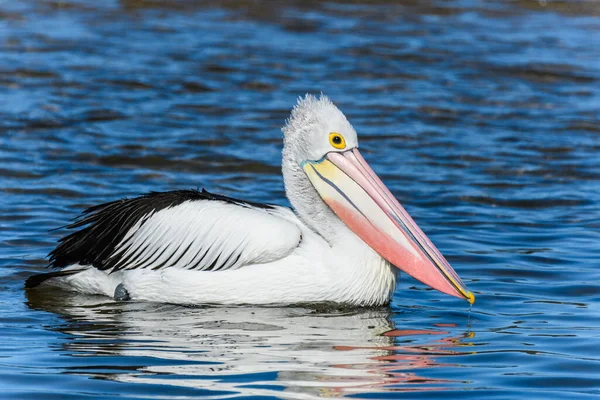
195, 247
180, 229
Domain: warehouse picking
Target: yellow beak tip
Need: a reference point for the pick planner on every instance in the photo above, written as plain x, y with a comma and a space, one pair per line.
470, 298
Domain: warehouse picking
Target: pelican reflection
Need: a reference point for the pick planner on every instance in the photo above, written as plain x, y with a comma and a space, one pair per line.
251, 351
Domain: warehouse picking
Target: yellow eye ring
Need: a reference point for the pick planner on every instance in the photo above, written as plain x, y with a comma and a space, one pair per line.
337, 140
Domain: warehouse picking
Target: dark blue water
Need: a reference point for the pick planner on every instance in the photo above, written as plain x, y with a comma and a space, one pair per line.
482, 117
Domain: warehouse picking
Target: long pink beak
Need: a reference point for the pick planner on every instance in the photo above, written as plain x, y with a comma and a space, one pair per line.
358, 197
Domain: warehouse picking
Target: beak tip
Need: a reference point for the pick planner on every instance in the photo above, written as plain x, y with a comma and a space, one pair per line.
470, 297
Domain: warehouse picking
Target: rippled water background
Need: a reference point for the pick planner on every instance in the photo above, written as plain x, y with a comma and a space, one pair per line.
482, 117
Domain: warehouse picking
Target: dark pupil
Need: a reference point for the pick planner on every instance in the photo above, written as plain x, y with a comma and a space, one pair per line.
337, 140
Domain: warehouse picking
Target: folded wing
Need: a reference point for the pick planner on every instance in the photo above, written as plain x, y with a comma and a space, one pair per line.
185, 229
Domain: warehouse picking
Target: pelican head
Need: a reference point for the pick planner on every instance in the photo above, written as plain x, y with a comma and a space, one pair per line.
327, 181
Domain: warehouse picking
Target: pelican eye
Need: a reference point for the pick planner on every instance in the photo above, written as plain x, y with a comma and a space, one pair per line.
337, 140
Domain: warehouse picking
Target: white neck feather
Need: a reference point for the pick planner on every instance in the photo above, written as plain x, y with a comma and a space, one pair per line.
307, 203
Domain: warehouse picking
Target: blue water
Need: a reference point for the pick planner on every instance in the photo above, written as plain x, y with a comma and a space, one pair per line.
482, 118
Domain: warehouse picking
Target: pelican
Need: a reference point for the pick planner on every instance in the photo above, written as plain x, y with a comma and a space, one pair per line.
341, 242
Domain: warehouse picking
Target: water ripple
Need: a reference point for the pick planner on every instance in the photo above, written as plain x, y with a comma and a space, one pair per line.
482, 118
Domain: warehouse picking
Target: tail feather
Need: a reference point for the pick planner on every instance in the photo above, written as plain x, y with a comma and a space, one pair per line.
36, 280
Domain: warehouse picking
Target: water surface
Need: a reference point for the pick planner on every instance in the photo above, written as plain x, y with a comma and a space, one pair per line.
481, 117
